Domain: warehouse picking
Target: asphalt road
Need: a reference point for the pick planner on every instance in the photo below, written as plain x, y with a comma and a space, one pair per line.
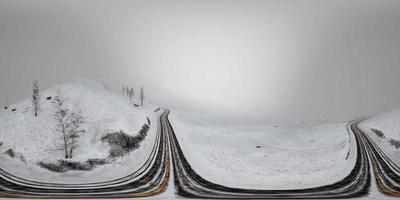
190, 184
152, 178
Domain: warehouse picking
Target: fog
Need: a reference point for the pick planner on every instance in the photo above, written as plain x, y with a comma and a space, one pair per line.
270, 59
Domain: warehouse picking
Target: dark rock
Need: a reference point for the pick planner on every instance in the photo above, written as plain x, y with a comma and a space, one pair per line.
66, 165
5, 107
121, 143
395, 143
14, 109
258, 146
48, 98
10, 153
121, 139
70, 165
53, 167
157, 109
97, 161
1, 144
136, 105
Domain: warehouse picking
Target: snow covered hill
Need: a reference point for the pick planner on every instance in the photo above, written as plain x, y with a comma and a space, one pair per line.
266, 155
34, 139
384, 129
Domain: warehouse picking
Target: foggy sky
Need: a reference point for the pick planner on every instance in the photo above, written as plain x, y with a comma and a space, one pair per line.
303, 59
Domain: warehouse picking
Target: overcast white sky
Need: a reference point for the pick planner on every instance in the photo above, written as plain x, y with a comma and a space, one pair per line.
305, 59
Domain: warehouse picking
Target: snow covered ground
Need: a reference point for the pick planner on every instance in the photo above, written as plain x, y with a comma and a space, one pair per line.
389, 124
265, 155
103, 111
231, 152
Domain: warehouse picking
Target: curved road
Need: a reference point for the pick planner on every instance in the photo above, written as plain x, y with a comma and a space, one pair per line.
152, 178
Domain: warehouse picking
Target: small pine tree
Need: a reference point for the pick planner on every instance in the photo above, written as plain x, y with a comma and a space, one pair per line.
36, 98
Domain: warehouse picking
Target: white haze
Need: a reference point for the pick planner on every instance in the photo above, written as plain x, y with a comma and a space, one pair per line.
270, 59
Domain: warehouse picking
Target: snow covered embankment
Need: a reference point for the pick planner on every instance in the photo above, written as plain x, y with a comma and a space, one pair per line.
384, 129
37, 138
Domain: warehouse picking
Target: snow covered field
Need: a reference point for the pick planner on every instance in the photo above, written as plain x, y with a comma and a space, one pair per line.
36, 138
389, 124
267, 155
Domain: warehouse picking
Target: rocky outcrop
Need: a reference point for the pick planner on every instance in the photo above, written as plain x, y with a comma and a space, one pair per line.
10, 153
122, 143
67, 165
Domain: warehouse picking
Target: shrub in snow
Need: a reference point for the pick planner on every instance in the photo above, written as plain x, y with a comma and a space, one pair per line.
395, 143
13, 154
36, 97
378, 133
10, 153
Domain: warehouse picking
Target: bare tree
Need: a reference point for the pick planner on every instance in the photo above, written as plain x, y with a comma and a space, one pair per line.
61, 116
68, 123
123, 90
131, 93
75, 131
36, 98
141, 96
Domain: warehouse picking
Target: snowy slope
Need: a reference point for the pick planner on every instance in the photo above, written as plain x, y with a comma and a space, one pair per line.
289, 156
103, 111
389, 124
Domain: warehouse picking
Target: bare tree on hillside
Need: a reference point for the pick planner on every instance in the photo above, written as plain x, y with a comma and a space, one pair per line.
68, 124
141, 96
75, 131
36, 97
61, 116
